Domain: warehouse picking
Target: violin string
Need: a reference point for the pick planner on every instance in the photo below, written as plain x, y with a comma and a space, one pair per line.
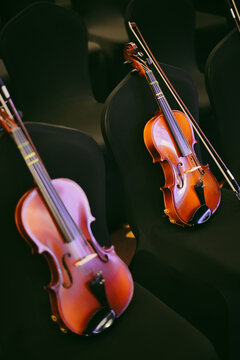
78, 250
170, 118
173, 120
164, 105
185, 110
55, 204
35, 169
42, 174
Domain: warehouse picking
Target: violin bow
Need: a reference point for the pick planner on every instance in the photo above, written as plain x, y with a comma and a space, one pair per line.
234, 12
227, 174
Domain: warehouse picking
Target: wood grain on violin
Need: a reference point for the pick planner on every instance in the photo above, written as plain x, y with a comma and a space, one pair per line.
90, 285
191, 193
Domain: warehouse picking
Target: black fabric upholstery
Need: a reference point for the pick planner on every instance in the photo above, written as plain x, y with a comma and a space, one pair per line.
218, 7
209, 30
10, 8
45, 50
148, 327
105, 24
91, 7
222, 79
202, 261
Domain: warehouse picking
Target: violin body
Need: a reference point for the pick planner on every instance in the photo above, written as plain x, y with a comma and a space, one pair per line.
191, 193
190, 187
88, 289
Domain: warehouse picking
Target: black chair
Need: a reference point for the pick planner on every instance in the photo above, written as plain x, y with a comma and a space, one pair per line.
105, 25
212, 24
216, 7
45, 51
10, 8
222, 79
195, 270
48, 66
148, 327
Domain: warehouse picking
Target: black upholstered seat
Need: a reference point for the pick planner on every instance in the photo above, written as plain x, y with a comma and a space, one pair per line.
48, 66
196, 270
148, 327
222, 79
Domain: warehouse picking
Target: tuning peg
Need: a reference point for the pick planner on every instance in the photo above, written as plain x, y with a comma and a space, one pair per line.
127, 62
149, 61
135, 71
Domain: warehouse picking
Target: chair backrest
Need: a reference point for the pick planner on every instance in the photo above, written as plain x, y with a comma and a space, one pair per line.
127, 110
105, 24
168, 27
218, 7
45, 51
10, 8
93, 7
222, 79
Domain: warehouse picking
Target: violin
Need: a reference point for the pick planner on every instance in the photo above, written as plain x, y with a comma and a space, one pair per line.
191, 193
90, 285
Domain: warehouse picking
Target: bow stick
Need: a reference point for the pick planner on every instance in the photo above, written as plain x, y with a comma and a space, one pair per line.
234, 12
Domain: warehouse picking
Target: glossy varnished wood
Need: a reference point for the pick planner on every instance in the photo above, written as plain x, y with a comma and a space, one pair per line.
72, 301
180, 197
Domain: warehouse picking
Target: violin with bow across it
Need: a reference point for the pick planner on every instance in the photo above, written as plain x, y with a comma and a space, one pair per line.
227, 174
191, 193
90, 285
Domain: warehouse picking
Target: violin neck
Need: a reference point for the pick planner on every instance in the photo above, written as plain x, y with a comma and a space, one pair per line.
62, 218
179, 138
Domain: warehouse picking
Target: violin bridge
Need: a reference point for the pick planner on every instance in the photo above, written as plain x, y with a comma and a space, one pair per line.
85, 260
193, 169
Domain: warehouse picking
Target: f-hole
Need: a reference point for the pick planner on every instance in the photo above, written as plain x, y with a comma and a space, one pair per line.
180, 185
65, 285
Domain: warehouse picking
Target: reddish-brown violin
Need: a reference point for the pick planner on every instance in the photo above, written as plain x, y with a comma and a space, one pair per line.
191, 193
90, 286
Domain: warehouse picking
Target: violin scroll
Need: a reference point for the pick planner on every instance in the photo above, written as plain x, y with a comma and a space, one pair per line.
130, 49
132, 56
